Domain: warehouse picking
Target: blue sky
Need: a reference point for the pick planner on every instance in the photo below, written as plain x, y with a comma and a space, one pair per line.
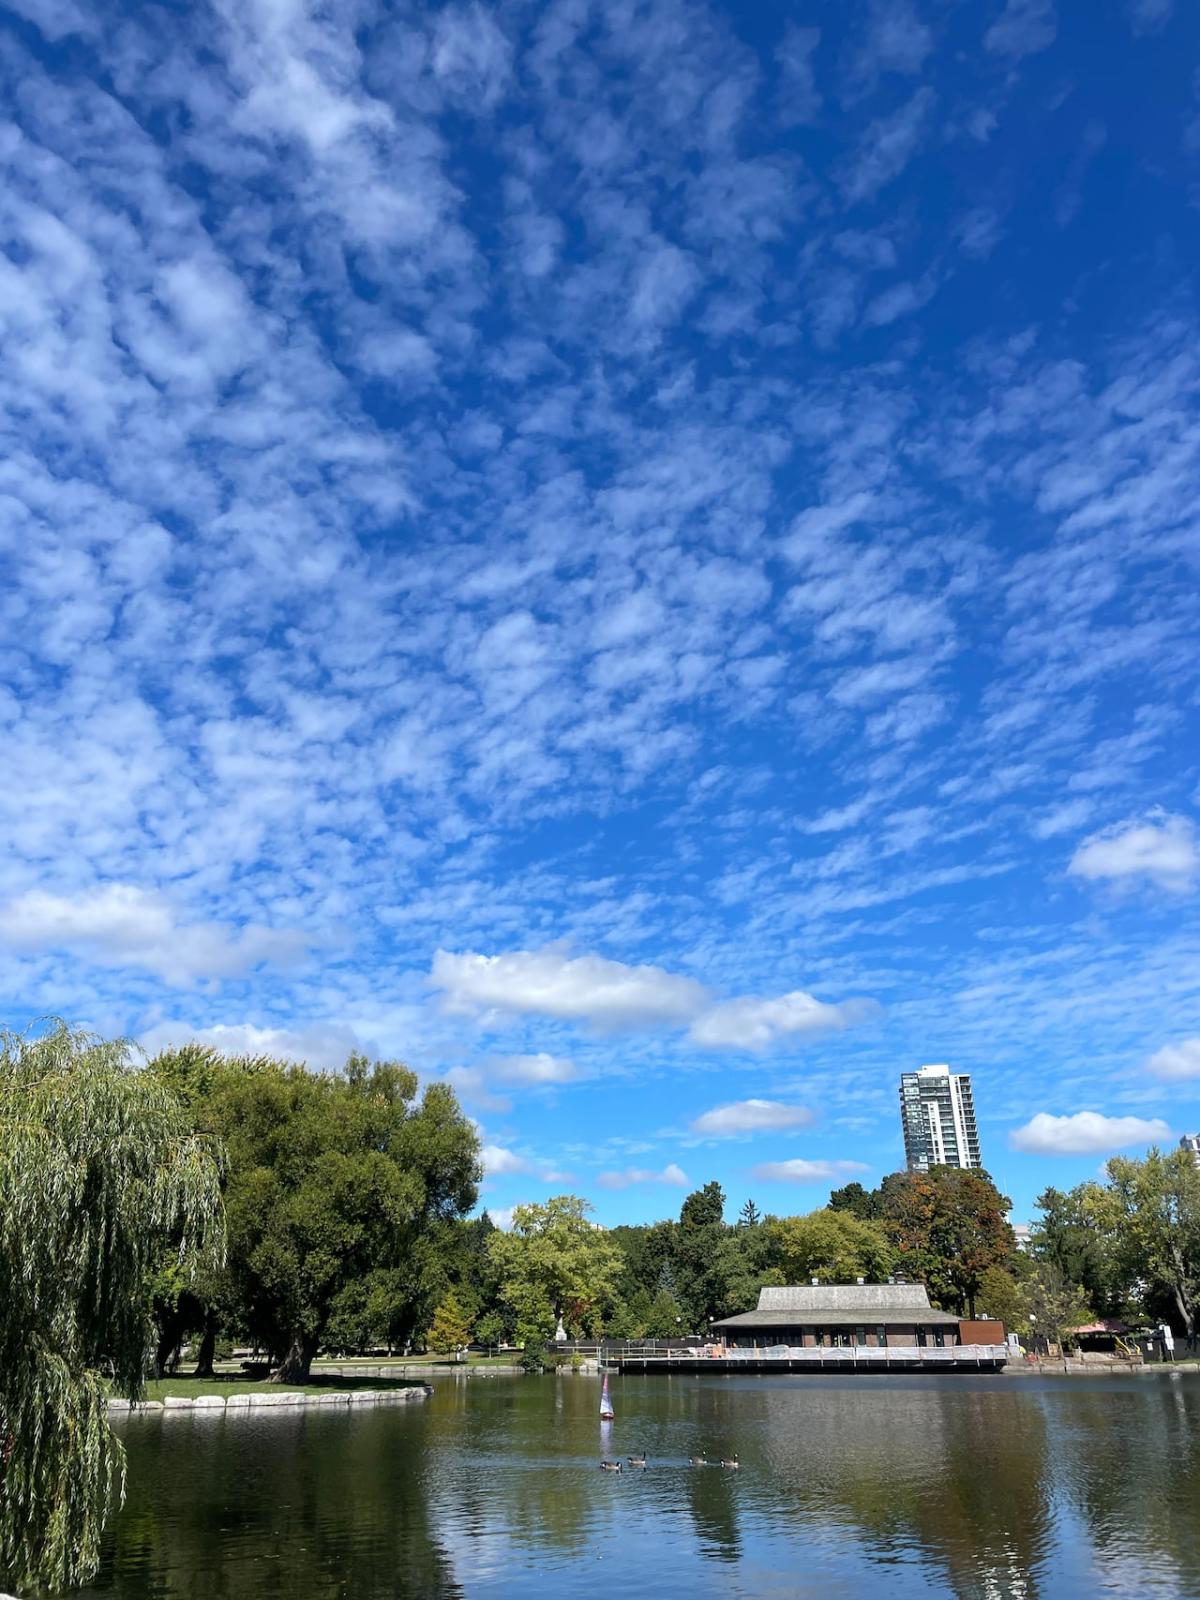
642, 557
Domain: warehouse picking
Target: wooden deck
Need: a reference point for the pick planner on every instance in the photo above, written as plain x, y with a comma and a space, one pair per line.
852, 1358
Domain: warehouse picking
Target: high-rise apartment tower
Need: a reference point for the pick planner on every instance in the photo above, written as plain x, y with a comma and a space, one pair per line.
938, 1112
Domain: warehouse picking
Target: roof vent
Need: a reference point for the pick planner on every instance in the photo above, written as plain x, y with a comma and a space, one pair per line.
860, 1280
816, 1281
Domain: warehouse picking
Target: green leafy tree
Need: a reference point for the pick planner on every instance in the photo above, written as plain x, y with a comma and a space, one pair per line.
337, 1186
648, 1257
628, 1318
948, 1226
555, 1263
1054, 1305
449, 1330
859, 1202
1154, 1207
490, 1330
745, 1258
1002, 1296
98, 1167
699, 1275
703, 1208
836, 1246
664, 1319
1077, 1233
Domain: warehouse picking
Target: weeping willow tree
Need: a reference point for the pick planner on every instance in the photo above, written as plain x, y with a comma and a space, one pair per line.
98, 1165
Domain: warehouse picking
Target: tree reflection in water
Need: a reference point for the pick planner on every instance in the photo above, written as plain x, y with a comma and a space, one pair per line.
950, 1476
1130, 1465
982, 1488
300, 1503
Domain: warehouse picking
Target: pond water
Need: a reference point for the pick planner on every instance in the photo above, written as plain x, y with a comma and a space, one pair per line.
987, 1487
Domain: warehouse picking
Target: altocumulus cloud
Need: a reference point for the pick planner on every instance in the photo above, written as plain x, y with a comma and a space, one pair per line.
1176, 1061
751, 1024
470, 1084
536, 1070
122, 925
1085, 1133
670, 1174
750, 1116
1161, 848
800, 1170
451, 599
607, 994
549, 983
323, 1045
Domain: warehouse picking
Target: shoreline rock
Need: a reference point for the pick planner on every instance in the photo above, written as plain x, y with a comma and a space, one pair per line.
243, 1404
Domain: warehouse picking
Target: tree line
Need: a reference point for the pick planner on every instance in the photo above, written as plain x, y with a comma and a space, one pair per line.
1126, 1248
671, 1279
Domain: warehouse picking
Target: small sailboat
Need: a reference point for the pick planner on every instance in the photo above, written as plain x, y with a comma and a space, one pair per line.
606, 1405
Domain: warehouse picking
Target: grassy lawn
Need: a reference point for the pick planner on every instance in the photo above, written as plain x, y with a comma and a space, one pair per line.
509, 1359
186, 1386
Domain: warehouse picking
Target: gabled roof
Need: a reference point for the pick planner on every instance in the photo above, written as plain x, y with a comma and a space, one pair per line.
857, 1296
840, 1305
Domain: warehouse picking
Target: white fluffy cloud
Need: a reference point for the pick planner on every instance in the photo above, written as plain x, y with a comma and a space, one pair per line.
550, 983
608, 994
1161, 848
122, 925
750, 1116
802, 1171
1085, 1133
477, 1084
536, 1069
497, 1161
324, 1045
753, 1024
670, 1174
502, 1216
1176, 1061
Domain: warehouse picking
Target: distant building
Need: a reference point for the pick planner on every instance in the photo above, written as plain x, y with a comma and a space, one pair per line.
1191, 1141
937, 1109
865, 1317
1023, 1234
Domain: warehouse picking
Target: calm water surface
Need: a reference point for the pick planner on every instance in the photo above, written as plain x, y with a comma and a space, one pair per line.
985, 1487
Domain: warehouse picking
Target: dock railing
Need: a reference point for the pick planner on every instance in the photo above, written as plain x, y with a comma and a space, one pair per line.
957, 1355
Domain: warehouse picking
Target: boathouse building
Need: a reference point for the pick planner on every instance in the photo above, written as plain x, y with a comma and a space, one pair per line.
863, 1315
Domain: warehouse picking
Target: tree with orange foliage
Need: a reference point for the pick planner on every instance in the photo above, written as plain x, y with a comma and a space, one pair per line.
948, 1226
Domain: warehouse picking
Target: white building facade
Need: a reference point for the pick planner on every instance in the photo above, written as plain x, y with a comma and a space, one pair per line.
937, 1109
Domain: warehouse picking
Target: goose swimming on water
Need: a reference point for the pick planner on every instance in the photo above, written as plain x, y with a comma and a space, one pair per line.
610, 1466
637, 1461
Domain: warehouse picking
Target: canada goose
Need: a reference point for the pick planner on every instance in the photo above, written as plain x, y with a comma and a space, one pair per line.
637, 1461
610, 1466
698, 1461
730, 1461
